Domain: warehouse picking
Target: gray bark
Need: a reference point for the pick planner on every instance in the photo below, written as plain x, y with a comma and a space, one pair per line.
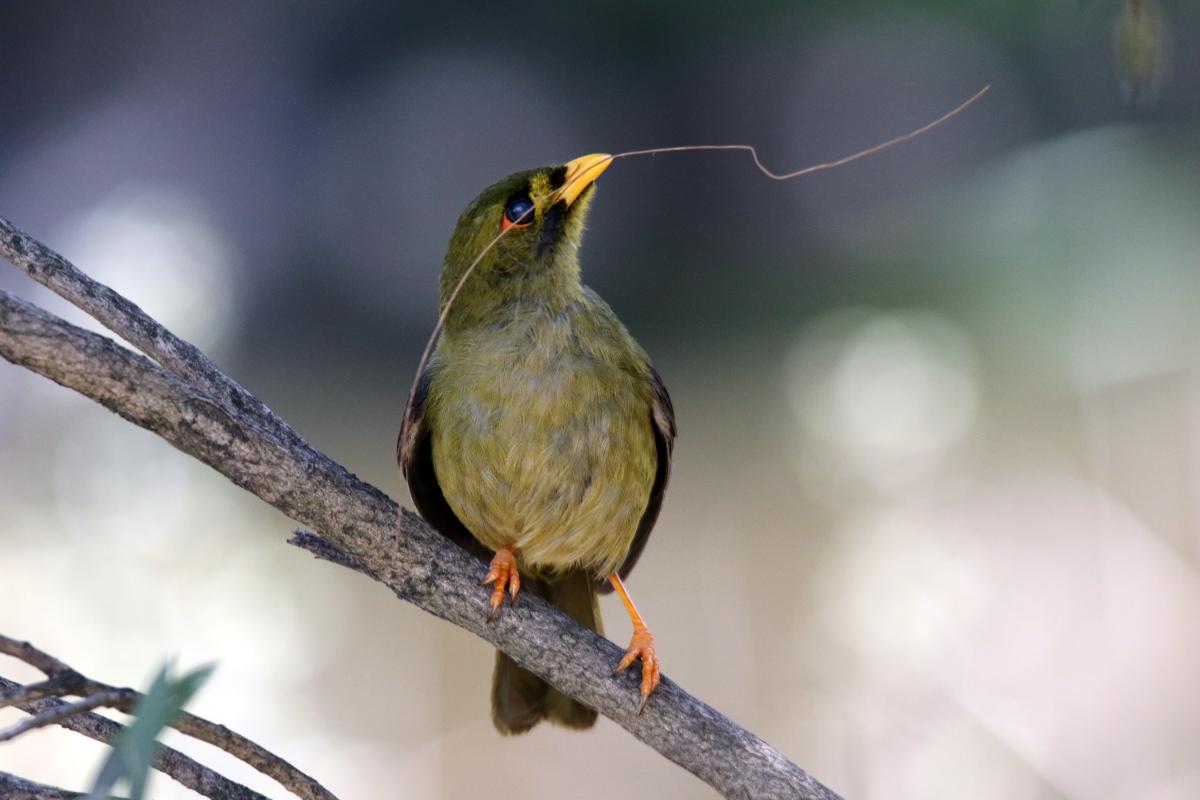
62, 681
167, 760
13, 787
194, 406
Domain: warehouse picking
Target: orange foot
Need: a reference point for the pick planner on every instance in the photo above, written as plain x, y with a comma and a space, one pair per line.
503, 573
640, 646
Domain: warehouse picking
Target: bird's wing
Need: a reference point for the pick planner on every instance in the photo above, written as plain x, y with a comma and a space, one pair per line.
414, 451
662, 420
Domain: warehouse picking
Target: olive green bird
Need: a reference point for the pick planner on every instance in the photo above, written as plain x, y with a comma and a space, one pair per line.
539, 436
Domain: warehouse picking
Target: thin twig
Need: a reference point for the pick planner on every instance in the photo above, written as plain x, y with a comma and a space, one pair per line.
32, 656
61, 684
167, 760
837, 162
126, 700
58, 713
257, 756
390, 544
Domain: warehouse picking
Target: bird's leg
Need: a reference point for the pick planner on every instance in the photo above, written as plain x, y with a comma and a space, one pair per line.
640, 646
503, 573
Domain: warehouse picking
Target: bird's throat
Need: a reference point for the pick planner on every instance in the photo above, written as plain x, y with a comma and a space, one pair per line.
547, 287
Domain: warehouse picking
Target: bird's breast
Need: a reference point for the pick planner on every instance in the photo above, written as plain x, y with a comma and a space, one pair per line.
542, 444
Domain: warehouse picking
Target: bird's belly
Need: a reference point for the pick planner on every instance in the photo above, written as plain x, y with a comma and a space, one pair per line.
552, 466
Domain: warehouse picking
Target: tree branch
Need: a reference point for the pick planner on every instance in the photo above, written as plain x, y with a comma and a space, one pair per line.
130, 322
191, 404
60, 684
66, 681
58, 712
168, 760
15, 788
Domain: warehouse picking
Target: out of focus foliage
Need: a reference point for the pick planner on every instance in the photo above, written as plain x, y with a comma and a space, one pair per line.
134, 748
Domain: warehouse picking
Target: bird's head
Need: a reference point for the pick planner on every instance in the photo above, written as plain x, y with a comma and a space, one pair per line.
541, 212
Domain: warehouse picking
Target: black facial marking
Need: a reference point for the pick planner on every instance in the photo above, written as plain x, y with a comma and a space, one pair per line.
552, 226
557, 177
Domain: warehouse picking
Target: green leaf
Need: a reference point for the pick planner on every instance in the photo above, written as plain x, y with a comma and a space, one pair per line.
134, 748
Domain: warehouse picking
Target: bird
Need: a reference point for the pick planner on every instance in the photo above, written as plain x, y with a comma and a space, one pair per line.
538, 435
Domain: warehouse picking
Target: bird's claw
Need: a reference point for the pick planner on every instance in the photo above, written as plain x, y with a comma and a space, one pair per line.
642, 646
502, 573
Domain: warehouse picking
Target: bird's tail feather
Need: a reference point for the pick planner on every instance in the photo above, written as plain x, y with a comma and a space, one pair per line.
521, 699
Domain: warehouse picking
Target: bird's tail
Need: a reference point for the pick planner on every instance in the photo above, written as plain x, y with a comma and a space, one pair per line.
521, 699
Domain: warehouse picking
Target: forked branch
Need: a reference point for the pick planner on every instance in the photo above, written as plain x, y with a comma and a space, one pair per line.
44, 702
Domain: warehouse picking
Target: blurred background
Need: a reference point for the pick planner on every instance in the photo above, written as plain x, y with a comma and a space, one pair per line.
939, 410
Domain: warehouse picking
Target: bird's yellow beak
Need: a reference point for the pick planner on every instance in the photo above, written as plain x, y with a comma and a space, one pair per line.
581, 173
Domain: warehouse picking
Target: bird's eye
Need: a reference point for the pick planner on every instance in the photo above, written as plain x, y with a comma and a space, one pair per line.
518, 212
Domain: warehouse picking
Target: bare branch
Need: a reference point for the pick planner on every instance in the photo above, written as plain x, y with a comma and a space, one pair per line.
15, 788
60, 684
58, 713
26, 652
130, 322
71, 682
168, 761
361, 526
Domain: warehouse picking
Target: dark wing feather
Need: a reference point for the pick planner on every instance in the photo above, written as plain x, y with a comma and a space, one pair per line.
662, 420
414, 451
